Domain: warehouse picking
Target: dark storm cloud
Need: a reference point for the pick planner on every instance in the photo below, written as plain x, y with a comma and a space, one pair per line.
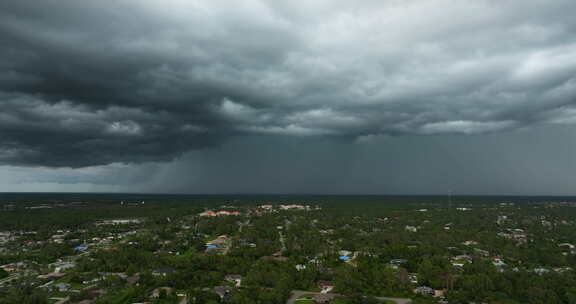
68, 134
89, 82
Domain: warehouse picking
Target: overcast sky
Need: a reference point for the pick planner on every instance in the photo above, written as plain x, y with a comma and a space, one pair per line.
315, 96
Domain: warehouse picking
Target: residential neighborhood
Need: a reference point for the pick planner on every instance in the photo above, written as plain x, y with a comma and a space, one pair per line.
320, 251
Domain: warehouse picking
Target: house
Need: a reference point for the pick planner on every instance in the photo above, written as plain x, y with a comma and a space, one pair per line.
158, 291
217, 242
497, 261
424, 290
51, 275
563, 269
80, 248
469, 243
482, 252
567, 248
463, 257
516, 235
540, 270
325, 286
62, 266
224, 292
61, 287
133, 279
234, 278
13, 267
345, 252
397, 262
5, 237
461, 260
411, 228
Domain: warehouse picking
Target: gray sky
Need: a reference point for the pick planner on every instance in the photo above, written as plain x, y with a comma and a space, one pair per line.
313, 96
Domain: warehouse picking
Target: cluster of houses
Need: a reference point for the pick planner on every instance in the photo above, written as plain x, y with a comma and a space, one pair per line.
5, 237
567, 248
48, 276
270, 207
517, 235
294, 207
425, 290
120, 222
219, 213
14, 267
260, 210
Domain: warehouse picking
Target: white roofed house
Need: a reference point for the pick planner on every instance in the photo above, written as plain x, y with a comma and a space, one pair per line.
63, 266
325, 286
234, 278
411, 228
469, 243
540, 270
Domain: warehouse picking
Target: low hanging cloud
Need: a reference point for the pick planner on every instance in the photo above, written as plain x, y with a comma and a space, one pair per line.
86, 83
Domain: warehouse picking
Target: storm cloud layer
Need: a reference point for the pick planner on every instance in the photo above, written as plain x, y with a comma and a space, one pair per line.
86, 83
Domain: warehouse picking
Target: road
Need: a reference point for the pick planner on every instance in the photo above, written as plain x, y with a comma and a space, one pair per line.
282, 242
296, 294
61, 300
10, 278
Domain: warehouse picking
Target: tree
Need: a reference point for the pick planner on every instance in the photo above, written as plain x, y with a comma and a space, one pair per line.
26, 295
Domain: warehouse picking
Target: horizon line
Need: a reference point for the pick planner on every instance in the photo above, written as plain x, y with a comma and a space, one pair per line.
288, 194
